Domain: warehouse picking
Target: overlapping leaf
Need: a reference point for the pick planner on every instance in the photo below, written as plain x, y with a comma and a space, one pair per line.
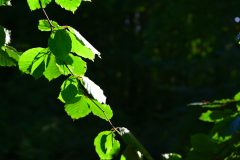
60, 43
39, 61
79, 109
43, 25
72, 65
106, 145
34, 4
101, 110
73, 94
51, 71
79, 47
70, 91
27, 58
88, 51
71, 5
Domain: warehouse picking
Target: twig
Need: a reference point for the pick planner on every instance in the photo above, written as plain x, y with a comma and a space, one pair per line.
45, 13
109, 121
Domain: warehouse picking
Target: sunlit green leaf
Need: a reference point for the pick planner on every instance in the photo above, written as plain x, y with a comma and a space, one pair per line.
72, 65
78, 109
70, 91
60, 43
83, 51
43, 25
51, 71
70, 5
106, 145
80, 49
34, 4
39, 64
101, 110
27, 58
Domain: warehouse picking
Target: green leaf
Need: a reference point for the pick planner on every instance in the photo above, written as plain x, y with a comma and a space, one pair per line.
79, 48
215, 116
82, 51
79, 109
60, 43
237, 98
34, 4
27, 58
70, 92
51, 71
5, 3
5, 60
73, 63
106, 145
43, 25
78, 67
70, 5
101, 110
39, 64
12, 52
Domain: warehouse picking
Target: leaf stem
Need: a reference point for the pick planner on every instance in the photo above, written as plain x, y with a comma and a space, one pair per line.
45, 13
109, 121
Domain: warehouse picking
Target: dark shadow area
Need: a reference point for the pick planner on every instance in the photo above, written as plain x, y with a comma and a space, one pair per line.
157, 56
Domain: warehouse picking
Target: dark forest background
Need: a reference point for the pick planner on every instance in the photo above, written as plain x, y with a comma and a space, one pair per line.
157, 56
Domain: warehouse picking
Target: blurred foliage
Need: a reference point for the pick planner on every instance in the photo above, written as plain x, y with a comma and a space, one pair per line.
158, 56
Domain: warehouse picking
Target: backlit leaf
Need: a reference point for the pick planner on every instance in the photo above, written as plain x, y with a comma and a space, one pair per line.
106, 145
34, 4
85, 42
101, 110
70, 91
43, 25
27, 58
51, 71
70, 5
78, 109
72, 64
80, 49
60, 43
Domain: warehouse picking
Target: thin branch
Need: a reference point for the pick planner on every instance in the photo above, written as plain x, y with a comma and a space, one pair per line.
109, 121
45, 13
